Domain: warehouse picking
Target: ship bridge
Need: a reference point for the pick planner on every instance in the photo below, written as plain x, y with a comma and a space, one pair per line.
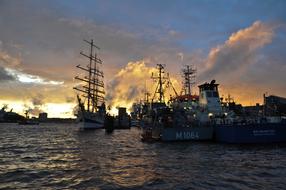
209, 97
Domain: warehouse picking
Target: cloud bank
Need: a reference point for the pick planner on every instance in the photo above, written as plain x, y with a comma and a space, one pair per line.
131, 82
245, 64
238, 52
40, 44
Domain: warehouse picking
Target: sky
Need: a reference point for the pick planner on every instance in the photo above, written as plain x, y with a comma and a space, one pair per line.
241, 44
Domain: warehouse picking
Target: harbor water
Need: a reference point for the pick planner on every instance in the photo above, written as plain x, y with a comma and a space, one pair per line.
59, 156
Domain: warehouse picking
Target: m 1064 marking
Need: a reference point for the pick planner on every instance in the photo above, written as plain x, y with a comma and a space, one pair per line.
187, 135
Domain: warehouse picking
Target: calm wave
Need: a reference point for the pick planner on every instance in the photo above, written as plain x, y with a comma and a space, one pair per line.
58, 156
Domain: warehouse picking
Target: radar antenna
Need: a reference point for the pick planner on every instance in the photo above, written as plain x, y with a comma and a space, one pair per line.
189, 75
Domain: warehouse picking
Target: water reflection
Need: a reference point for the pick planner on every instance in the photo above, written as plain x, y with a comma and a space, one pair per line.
61, 157
117, 159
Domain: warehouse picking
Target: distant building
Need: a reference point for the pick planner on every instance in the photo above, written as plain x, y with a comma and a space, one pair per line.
253, 110
43, 116
236, 108
275, 106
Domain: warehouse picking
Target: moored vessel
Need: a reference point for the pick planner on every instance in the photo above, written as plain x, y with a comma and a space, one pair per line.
181, 120
91, 112
190, 123
251, 132
264, 126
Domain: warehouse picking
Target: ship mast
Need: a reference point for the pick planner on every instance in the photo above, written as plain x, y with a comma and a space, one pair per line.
162, 79
189, 75
93, 87
146, 94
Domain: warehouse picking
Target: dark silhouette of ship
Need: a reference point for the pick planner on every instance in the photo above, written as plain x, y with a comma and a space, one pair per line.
91, 113
253, 124
177, 121
10, 116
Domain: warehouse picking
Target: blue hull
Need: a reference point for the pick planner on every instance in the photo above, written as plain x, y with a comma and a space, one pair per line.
251, 133
187, 134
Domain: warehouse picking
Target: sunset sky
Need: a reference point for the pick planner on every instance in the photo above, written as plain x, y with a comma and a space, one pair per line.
241, 44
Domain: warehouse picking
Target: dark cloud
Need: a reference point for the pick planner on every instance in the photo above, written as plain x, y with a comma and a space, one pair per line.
133, 92
38, 100
57, 41
35, 111
5, 76
248, 63
238, 52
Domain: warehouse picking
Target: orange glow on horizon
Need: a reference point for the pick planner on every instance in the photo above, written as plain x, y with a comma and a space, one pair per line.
54, 110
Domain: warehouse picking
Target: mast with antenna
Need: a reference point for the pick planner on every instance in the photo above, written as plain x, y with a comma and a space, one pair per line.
146, 94
189, 76
163, 79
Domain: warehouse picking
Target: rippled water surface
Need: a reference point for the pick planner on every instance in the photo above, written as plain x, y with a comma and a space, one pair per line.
58, 156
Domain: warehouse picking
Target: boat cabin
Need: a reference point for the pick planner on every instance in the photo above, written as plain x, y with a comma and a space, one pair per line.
209, 97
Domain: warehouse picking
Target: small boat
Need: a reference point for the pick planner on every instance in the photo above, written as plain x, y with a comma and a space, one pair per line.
147, 135
109, 123
122, 120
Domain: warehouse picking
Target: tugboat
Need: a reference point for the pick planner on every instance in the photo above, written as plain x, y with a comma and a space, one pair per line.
91, 113
121, 121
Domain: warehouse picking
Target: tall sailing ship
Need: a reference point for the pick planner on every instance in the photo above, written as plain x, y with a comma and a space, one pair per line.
91, 112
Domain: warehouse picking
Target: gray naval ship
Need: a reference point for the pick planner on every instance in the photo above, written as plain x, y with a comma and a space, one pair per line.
186, 117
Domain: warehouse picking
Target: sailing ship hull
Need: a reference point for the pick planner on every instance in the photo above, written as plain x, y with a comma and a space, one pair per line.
91, 121
251, 133
25, 122
90, 124
187, 133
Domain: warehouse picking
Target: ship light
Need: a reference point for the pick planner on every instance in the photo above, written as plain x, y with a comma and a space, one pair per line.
225, 114
210, 114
